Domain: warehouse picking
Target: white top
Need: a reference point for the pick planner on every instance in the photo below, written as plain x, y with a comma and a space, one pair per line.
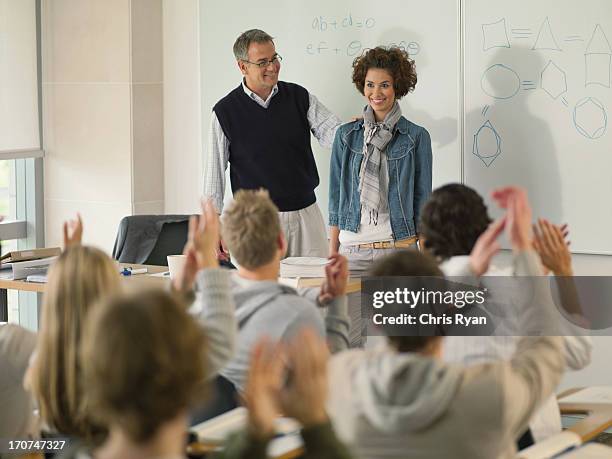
368, 232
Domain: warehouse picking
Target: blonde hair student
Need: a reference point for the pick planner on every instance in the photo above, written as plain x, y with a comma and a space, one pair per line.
251, 229
78, 279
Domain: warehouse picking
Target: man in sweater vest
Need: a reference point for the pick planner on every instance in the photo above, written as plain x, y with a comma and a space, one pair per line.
262, 129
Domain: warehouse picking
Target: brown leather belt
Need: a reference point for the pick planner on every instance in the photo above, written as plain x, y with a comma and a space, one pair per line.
404, 243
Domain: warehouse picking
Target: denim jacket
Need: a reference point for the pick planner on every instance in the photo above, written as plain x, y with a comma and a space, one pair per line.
409, 160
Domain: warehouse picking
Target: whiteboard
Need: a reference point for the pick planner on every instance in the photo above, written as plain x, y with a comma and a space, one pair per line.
318, 41
537, 77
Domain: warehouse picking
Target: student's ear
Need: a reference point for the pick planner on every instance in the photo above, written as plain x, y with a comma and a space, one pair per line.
282, 244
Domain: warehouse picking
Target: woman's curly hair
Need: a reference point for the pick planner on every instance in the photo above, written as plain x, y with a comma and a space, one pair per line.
452, 219
394, 60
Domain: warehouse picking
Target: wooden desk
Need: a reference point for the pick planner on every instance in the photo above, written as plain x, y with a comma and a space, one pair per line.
354, 285
598, 416
25, 286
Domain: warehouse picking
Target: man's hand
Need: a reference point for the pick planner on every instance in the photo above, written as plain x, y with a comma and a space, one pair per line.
486, 247
73, 232
518, 220
305, 394
262, 389
200, 248
336, 278
550, 243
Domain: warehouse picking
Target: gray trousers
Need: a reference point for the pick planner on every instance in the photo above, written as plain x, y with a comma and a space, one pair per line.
305, 232
360, 260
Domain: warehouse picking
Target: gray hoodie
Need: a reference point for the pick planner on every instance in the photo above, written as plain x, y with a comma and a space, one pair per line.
267, 308
386, 404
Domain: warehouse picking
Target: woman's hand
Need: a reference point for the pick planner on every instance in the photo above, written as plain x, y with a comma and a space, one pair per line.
262, 389
200, 247
549, 241
73, 232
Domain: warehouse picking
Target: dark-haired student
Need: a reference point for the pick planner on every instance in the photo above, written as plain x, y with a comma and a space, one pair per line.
451, 222
403, 401
142, 388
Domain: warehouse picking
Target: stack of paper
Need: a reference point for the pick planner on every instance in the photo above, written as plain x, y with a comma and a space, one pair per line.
22, 269
303, 267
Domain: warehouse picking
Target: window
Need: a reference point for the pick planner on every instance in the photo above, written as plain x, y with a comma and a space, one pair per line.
20, 142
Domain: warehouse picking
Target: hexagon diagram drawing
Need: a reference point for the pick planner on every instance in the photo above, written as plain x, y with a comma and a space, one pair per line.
553, 80
487, 143
590, 118
546, 39
598, 59
500, 82
495, 35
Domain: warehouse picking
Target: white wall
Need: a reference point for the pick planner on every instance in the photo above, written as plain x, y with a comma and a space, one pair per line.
182, 132
102, 114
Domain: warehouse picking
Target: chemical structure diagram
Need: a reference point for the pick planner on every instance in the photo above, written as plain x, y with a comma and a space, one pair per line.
502, 82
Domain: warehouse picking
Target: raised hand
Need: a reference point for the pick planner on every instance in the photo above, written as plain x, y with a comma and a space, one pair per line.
200, 247
518, 219
486, 247
550, 243
263, 388
73, 232
306, 392
336, 278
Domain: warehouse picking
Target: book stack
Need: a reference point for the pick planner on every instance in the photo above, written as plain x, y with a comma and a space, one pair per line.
24, 264
303, 267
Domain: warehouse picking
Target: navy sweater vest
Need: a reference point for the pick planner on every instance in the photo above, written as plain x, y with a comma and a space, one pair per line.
270, 147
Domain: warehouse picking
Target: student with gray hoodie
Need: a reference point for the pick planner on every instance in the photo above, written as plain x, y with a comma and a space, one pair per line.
251, 230
403, 401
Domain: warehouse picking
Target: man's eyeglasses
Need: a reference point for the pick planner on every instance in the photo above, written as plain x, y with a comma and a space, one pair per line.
263, 64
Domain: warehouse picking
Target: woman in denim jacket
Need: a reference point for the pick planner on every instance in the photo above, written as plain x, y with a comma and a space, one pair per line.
380, 173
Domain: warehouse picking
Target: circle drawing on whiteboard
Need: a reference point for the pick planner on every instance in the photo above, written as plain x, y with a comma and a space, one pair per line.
487, 143
590, 118
500, 82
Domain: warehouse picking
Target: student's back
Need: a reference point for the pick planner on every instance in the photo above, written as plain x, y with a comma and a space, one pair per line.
267, 308
398, 405
16, 408
252, 231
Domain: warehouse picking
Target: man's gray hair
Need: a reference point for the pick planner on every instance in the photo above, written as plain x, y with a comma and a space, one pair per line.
242, 43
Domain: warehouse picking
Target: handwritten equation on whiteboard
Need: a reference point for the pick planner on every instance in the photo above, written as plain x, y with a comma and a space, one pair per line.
343, 36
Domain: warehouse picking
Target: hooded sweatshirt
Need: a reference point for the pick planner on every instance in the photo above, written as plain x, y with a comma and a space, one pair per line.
386, 404
267, 308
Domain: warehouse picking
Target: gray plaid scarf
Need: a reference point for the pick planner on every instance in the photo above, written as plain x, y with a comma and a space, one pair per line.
376, 136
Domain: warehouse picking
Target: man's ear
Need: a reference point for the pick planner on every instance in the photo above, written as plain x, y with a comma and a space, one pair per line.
241, 66
282, 244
